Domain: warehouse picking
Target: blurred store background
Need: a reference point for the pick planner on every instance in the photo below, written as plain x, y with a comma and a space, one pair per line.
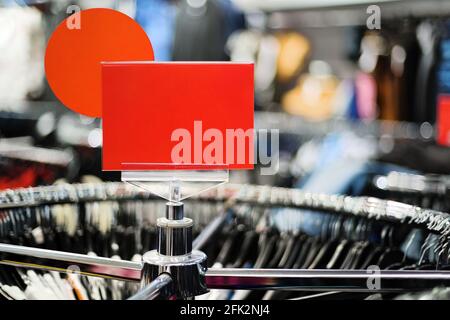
357, 89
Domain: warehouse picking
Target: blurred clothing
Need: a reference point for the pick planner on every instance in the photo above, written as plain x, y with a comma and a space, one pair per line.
201, 31
157, 17
22, 47
419, 155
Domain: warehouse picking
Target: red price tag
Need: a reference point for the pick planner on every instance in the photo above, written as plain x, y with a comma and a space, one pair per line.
159, 116
443, 120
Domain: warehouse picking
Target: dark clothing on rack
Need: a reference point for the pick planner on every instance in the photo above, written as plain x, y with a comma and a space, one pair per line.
200, 33
422, 156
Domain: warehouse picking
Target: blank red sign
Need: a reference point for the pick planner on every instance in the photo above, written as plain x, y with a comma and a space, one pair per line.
443, 120
159, 116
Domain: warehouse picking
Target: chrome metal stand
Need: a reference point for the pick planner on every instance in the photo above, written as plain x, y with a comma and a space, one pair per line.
160, 288
175, 256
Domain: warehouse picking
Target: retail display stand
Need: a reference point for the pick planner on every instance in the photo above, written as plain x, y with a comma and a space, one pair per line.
161, 98
174, 255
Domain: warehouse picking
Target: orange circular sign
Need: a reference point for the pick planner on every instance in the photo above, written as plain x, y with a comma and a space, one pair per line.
79, 45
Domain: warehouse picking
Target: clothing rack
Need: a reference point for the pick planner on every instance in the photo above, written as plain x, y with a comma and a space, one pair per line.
414, 183
291, 14
290, 124
66, 193
366, 207
83, 192
305, 280
10, 149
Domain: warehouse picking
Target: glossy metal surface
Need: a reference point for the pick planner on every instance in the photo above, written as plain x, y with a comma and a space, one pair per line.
71, 193
188, 272
373, 208
35, 258
160, 288
412, 183
174, 210
175, 242
174, 255
174, 236
306, 280
326, 280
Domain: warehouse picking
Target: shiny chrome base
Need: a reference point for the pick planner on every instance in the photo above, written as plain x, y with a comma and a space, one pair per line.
187, 271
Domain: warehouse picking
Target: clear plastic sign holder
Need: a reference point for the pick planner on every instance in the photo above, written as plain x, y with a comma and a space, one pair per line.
176, 184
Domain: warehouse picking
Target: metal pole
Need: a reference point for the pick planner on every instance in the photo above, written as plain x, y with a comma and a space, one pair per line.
161, 287
326, 280
60, 261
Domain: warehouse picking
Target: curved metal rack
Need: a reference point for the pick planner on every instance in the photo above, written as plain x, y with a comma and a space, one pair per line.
414, 183
367, 207
305, 280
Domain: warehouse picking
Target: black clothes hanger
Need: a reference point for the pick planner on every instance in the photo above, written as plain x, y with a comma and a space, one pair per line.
267, 250
392, 254
279, 250
314, 249
339, 254
299, 240
304, 249
229, 245
324, 255
248, 250
288, 251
